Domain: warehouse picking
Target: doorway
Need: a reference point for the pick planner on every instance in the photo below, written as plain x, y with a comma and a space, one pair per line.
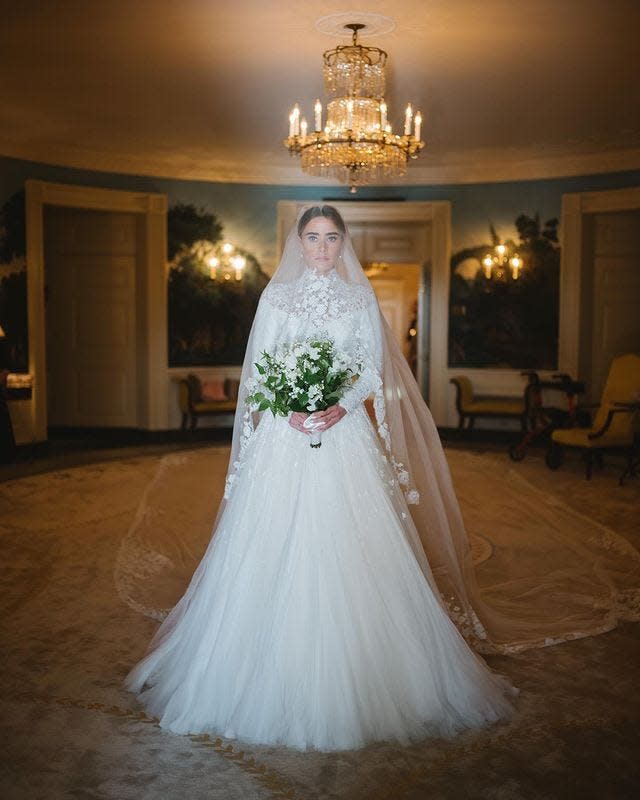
599, 283
399, 288
105, 275
610, 318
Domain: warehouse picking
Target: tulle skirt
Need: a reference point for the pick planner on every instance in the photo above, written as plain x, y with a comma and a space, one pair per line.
308, 622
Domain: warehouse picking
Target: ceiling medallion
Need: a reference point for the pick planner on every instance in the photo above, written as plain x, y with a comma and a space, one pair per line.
356, 145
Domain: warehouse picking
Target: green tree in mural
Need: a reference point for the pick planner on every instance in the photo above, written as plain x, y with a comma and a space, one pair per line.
508, 323
187, 225
13, 229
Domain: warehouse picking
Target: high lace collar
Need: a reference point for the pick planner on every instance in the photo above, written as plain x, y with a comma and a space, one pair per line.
319, 297
311, 274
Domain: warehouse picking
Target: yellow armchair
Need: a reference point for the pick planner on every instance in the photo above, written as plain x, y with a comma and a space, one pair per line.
613, 428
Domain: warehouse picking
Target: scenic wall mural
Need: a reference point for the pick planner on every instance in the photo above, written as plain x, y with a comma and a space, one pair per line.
13, 283
504, 299
213, 291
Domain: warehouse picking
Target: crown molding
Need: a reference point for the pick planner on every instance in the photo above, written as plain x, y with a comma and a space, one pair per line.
472, 167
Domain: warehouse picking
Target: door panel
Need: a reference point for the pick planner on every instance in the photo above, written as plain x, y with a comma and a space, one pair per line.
616, 292
90, 273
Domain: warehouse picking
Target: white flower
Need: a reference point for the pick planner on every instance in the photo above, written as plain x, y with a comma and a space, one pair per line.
413, 497
403, 477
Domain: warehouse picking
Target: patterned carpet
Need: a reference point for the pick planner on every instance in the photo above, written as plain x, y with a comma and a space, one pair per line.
70, 634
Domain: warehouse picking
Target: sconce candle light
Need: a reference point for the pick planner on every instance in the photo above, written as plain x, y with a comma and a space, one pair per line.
224, 265
494, 264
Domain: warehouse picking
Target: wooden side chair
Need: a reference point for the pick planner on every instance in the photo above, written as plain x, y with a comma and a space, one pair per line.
613, 427
470, 406
193, 403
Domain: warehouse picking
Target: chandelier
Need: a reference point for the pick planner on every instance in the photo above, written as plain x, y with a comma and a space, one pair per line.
356, 146
495, 264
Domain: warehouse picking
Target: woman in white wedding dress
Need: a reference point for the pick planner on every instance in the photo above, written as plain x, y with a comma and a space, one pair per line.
313, 619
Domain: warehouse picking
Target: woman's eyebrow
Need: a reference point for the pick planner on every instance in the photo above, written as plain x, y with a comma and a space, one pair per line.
315, 233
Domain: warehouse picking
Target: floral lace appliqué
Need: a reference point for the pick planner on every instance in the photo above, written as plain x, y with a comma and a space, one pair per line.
318, 297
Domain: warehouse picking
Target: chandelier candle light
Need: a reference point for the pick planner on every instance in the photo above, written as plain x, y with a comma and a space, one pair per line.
357, 145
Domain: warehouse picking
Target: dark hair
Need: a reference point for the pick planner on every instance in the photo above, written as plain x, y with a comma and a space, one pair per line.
328, 212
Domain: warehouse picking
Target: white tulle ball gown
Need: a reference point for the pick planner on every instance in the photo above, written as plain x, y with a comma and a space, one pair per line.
309, 621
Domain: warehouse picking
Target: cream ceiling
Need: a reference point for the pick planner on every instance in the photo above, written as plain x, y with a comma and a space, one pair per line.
202, 89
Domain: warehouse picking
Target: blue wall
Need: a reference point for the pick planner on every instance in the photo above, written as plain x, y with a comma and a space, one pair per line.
248, 211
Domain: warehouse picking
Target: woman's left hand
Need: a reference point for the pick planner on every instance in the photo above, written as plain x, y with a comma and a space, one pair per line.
329, 417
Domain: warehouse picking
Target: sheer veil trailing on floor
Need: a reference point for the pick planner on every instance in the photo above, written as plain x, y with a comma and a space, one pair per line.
562, 576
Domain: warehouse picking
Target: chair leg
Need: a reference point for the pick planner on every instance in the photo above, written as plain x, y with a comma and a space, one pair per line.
589, 457
554, 456
631, 467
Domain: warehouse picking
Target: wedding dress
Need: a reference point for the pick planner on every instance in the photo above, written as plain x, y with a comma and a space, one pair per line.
309, 621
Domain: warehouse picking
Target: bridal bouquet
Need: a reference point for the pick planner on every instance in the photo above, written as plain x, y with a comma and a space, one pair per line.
307, 375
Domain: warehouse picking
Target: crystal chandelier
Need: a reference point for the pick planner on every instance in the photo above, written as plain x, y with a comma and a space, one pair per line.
356, 145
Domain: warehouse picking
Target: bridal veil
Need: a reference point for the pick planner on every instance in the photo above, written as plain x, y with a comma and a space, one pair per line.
557, 578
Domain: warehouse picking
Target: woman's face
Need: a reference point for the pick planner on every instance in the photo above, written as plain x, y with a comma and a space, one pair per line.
321, 244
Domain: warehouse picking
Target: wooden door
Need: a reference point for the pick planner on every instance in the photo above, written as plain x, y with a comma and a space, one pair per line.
90, 295
616, 292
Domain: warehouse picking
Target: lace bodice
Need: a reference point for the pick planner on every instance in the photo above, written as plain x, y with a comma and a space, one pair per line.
318, 299
326, 306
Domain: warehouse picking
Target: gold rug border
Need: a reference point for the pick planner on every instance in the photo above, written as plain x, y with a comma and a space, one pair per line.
280, 787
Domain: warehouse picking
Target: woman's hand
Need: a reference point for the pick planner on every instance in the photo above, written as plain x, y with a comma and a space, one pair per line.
296, 419
329, 417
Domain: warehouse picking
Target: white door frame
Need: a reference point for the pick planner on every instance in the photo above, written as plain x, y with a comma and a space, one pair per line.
574, 208
152, 371
436, 215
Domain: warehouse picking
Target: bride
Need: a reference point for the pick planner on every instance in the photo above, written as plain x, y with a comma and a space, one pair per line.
314, 619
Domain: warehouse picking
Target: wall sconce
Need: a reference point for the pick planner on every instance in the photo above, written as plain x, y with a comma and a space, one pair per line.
494, 264
224, 265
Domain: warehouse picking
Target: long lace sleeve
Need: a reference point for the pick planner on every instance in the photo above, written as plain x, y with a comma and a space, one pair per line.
368, 349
